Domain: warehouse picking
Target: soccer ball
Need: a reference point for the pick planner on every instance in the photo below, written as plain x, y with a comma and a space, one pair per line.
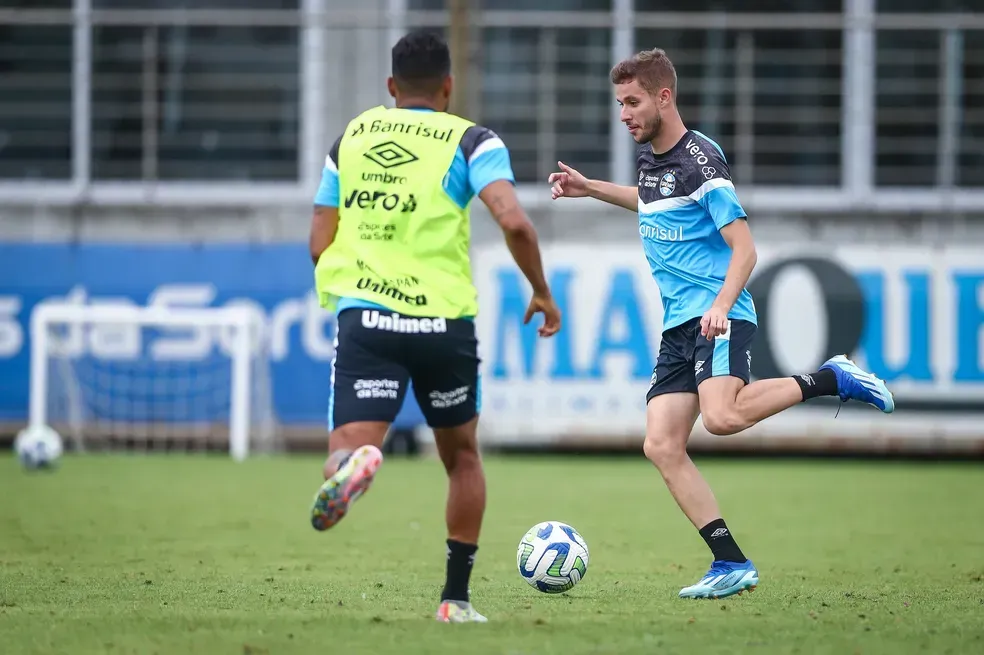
552, 557
38, 447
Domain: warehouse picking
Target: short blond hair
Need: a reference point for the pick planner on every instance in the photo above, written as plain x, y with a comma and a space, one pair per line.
651, 68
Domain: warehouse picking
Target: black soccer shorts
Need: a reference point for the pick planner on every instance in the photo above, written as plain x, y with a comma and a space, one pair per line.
687, 358
378, 352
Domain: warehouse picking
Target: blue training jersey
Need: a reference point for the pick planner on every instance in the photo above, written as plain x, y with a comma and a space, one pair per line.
481, 159
685, 198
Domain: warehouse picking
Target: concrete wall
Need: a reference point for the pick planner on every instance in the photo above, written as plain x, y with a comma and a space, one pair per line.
589, 221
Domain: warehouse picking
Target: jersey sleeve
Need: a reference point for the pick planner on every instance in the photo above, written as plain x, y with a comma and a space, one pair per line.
486, 157
715, 190
327, 195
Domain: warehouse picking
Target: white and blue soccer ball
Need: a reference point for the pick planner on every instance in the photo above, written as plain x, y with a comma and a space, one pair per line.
38, 447
552, 557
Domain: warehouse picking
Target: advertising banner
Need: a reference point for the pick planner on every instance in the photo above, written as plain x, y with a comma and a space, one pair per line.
913, 316
276, 280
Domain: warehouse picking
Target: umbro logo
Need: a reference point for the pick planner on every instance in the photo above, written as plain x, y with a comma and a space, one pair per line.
390, 155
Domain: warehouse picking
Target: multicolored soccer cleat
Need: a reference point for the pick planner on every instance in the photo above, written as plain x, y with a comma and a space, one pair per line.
854, 383
353, 479
457, 611
724, 579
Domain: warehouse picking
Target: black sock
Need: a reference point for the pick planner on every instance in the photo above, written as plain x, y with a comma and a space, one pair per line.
814, 385
461, 557
722, 544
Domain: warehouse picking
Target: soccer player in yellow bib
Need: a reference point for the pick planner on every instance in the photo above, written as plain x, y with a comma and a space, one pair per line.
390, 239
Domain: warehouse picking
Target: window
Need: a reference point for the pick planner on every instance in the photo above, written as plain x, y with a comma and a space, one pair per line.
545, 91
36, 4
195, 4
970, 160
36, 101
797, 107
520, 5
926, 6
192, 103
740, 6
907, 103
770, 99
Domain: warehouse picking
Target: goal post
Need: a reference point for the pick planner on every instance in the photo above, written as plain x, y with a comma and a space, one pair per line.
152, 374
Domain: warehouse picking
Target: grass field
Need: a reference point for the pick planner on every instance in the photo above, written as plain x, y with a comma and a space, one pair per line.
176, 554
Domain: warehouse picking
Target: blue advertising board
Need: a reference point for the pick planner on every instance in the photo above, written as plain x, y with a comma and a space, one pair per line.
275, 278
912, 315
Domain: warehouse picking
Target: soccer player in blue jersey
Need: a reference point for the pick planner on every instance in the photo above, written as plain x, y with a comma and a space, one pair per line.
696, 238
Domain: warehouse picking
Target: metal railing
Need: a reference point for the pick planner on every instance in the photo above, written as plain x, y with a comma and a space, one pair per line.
816, 111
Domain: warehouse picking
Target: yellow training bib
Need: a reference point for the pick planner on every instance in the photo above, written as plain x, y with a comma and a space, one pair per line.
402, 242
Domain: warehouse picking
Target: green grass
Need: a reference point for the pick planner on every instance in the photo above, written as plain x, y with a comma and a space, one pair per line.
175, 554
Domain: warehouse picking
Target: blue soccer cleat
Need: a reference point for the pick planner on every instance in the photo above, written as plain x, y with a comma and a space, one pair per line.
723, 580
856, 384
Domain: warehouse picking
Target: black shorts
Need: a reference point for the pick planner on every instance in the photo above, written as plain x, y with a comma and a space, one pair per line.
686, 358
377, 353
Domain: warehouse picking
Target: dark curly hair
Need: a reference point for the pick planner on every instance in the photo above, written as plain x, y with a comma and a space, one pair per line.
421, 62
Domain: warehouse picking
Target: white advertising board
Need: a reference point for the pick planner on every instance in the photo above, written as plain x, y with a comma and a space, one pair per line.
913, 316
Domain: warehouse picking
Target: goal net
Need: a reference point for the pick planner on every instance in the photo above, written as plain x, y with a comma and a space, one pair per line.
110, 376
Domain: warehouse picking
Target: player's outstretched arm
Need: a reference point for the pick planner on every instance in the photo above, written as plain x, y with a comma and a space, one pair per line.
500, 198
569, 183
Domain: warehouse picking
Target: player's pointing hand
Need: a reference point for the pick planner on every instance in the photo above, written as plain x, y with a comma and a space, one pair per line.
568, 183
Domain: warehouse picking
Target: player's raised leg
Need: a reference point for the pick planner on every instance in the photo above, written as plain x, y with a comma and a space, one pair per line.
368, 385
729, 404
353, 460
